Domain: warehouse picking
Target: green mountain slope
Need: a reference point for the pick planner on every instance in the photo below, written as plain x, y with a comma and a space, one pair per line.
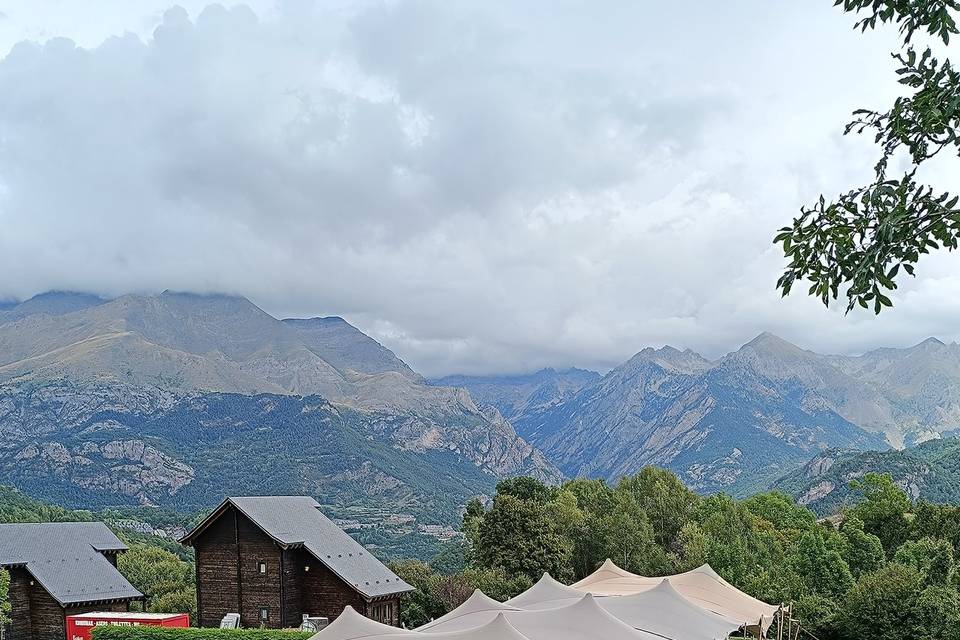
930, 471
16, 506
192, 454
178, 399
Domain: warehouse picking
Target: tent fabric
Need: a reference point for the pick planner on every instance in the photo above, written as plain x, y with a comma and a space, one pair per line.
350, 625
661, 610
701, 586
479, 606
582, 620
547, 593
497, 629
665, 612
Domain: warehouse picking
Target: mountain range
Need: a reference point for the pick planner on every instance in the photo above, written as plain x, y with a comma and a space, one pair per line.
736, 423
179, 399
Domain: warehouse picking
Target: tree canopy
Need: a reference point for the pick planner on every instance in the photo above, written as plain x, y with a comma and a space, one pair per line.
4, 598
165, 579
858, 243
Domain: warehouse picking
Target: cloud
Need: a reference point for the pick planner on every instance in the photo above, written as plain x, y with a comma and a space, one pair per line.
483, 188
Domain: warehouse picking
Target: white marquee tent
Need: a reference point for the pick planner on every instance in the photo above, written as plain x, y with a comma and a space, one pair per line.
547, 593
609, 604
665, 612
701, 586
350, 625
478, 607
660, 610
582, 620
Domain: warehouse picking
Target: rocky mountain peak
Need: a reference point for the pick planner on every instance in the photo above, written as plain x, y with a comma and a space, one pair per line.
669, 358
771, 343
51, 303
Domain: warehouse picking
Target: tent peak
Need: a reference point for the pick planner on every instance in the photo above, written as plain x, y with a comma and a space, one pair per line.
548, 592
352, 624
479, 597
477, 603
500, 626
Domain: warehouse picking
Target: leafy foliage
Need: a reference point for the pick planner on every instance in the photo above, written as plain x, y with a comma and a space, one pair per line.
533, 545
862, 551
932, 558
824, 569
883, 510
862, 239
4, 598
165, 579
106, 632
881, 604
17, 507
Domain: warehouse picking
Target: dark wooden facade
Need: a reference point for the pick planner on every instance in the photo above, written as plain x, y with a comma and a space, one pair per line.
240, 569
36, 615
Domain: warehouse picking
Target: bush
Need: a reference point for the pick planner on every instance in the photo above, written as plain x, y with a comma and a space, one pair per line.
881, 606
107, 632
817, 614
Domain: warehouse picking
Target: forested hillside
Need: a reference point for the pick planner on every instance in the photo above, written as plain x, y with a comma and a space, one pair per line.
17, 507
930, 471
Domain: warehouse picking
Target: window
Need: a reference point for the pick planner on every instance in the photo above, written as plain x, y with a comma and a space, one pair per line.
264, 613
262, 567
382, 612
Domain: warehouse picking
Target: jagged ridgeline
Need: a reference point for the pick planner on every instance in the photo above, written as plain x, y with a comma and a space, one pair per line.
180, 399
734, 424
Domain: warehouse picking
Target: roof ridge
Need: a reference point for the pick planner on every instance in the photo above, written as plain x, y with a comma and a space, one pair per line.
288, 521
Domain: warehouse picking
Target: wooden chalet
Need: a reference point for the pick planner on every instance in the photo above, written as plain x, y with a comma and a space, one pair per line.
276, 559
58, 569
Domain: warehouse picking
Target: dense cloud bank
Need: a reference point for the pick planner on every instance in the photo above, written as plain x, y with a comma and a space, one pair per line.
483, 188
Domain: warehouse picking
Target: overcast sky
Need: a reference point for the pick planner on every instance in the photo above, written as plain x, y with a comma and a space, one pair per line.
482, 186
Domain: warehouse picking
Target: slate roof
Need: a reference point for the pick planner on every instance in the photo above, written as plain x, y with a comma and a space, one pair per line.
294, 521
67, 559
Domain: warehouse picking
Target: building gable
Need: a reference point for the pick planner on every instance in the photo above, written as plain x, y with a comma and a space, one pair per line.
68, 559
297, 522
